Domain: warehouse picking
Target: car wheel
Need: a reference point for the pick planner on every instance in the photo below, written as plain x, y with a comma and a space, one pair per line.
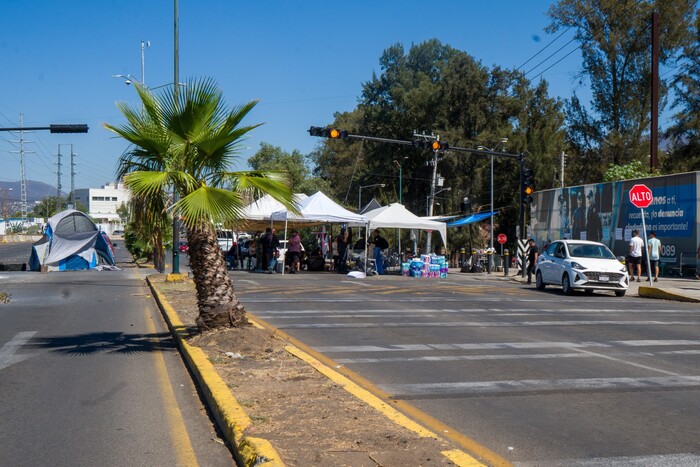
539, 282
566, 285
620, 293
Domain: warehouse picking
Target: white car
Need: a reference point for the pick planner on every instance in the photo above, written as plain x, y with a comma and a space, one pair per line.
582, 265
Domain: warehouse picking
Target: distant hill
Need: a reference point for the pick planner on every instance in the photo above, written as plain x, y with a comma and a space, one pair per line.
36, 191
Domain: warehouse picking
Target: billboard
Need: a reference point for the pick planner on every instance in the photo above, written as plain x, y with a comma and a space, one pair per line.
603, 212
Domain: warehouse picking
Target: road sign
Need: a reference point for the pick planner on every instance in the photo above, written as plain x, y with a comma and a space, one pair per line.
640, 196
502, 238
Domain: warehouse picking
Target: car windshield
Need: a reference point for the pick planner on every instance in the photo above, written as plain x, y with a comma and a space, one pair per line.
583, 250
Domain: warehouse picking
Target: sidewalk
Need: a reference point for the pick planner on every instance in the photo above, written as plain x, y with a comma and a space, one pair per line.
667, 288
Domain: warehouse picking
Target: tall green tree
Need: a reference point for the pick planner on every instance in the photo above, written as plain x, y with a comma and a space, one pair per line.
295, 165
185, 143
615, 38
436, 88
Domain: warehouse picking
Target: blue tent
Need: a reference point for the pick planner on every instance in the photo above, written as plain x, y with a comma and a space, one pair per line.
471, 219
71, 241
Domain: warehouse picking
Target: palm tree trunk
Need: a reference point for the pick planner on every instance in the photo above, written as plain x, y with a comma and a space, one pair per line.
216, 299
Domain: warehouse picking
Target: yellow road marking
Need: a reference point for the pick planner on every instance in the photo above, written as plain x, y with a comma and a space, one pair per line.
184, 452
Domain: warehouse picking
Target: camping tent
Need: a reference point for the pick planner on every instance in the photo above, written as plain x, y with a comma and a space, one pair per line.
71, 241
396, 216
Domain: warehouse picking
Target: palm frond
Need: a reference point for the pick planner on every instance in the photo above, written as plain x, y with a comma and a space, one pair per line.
210, 205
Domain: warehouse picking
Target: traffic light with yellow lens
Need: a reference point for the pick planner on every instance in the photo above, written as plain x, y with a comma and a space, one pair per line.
527, 189
434, 145
332, 133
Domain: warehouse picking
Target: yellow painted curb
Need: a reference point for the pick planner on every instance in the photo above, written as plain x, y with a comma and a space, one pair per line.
172, 277
655, 292
230, 415
325, 367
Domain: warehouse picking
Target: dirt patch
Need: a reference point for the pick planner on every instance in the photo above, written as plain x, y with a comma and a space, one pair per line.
310, 420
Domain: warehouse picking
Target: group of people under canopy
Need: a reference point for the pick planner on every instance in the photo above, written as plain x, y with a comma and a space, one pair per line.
319, 209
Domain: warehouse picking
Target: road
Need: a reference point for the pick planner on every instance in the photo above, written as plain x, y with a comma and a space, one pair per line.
90, 376
537, 377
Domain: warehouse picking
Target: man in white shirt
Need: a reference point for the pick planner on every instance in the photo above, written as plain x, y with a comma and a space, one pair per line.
635, 256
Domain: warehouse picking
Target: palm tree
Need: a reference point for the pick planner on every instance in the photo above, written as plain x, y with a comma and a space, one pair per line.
184, 143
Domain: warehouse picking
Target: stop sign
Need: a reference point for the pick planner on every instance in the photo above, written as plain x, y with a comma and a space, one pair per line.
502, 238
640, 196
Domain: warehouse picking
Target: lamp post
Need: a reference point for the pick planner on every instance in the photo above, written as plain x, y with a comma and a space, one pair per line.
502, 141
359, 193
400, 166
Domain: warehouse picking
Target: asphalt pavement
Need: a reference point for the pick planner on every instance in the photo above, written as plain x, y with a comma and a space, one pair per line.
89, 374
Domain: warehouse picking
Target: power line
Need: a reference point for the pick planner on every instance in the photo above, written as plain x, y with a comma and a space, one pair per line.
552, 55
544, 48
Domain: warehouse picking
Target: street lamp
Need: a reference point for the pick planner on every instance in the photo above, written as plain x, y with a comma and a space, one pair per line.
502, 141
400, 166
359, 193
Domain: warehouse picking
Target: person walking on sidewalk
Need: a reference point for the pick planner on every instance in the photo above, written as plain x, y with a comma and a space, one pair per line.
532, 255
636, 245
654, 252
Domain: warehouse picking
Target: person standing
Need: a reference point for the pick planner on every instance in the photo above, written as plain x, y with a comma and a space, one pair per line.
654, 252
380, 244
265, 248
253, 252
343, 244
532, 255
636, 245
271, 251
294, 250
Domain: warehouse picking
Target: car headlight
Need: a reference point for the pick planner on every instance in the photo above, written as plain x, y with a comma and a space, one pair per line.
576, 265
623, 270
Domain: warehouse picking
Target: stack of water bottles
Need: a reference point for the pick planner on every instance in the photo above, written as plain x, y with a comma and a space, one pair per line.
426, 266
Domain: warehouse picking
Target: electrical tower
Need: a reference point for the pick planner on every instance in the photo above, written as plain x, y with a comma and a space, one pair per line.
22, 169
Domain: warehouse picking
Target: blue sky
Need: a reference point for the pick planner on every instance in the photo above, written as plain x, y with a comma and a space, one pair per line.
303, 60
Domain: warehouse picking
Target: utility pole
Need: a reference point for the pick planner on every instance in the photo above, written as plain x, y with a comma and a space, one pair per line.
176, 90
58, 181
562, 162
72, 177
654, 140
433, 180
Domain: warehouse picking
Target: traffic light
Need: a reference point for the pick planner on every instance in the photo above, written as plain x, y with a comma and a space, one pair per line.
466, 205
61, 128
526, 189
332, 133
435, 145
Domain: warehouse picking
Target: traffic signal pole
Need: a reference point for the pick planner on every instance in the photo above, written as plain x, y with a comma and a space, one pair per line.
333, 133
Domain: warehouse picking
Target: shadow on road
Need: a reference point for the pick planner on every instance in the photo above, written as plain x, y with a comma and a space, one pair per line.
108, 342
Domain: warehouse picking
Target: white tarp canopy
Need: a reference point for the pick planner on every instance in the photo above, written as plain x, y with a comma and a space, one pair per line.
396, 216
262, 209
320, 208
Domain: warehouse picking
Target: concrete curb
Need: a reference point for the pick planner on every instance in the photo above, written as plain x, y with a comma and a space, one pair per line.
229, 414
655, 292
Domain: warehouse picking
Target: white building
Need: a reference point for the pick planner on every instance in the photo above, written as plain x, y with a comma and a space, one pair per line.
102, 204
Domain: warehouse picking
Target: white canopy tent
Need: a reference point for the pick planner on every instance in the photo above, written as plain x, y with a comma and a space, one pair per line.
396, 216
262, 209
318, 208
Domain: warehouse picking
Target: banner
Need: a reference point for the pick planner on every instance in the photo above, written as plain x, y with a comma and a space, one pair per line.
602, 212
